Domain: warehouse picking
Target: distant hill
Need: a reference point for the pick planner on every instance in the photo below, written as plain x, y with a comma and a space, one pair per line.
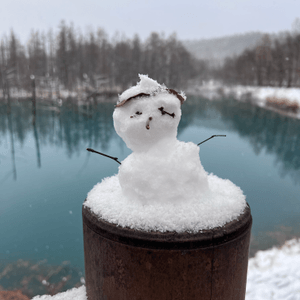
217, 49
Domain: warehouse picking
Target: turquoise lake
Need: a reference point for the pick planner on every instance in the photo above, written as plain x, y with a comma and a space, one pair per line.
46, 172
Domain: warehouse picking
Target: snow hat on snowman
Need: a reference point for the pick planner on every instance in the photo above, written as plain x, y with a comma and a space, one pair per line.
147, 114
145, 88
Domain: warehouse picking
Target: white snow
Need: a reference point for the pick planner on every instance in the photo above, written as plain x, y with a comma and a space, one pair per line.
162, 185
147, 86
275, 273
272, 275
263, 93
223, 203
258, 95
73, 294
164, 174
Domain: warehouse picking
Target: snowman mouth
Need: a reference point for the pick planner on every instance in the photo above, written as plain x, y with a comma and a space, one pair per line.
148, 123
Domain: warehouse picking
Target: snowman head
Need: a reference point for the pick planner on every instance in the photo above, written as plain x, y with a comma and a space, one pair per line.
147, 114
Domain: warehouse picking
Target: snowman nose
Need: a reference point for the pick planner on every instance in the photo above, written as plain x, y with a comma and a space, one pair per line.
148, 123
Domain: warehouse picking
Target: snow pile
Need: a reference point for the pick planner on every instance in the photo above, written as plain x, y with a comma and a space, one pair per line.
162, 185
223, 203
73, 294
275, 273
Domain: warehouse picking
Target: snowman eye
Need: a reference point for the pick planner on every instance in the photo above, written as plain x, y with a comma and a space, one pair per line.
136, 113
163, 112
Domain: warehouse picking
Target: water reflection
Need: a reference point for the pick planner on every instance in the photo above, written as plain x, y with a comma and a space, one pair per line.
266, 130
39, 278
37, 143
69, 126
44, 191
12, 142
66, 126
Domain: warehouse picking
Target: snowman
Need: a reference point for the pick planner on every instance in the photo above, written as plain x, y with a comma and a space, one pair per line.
160, 168
161, 186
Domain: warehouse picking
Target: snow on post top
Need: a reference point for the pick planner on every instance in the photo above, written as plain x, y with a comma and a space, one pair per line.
162, 184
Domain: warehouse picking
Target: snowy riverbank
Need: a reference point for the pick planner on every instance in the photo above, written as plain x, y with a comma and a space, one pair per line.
284, 100
272, 274
281, 99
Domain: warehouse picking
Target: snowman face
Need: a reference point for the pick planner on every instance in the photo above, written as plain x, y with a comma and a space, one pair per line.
145, 121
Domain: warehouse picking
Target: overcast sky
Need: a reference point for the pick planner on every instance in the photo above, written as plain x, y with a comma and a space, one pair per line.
190, 19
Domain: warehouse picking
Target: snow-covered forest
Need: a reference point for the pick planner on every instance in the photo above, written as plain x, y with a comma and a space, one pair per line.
71, 60
273, 62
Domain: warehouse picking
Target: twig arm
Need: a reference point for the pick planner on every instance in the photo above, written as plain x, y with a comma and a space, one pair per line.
114, 158
211, 138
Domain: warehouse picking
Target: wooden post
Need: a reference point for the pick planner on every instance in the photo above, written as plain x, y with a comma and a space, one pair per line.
123, 263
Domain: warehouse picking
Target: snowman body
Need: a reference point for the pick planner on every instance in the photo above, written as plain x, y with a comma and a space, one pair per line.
160, 168
164, 176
